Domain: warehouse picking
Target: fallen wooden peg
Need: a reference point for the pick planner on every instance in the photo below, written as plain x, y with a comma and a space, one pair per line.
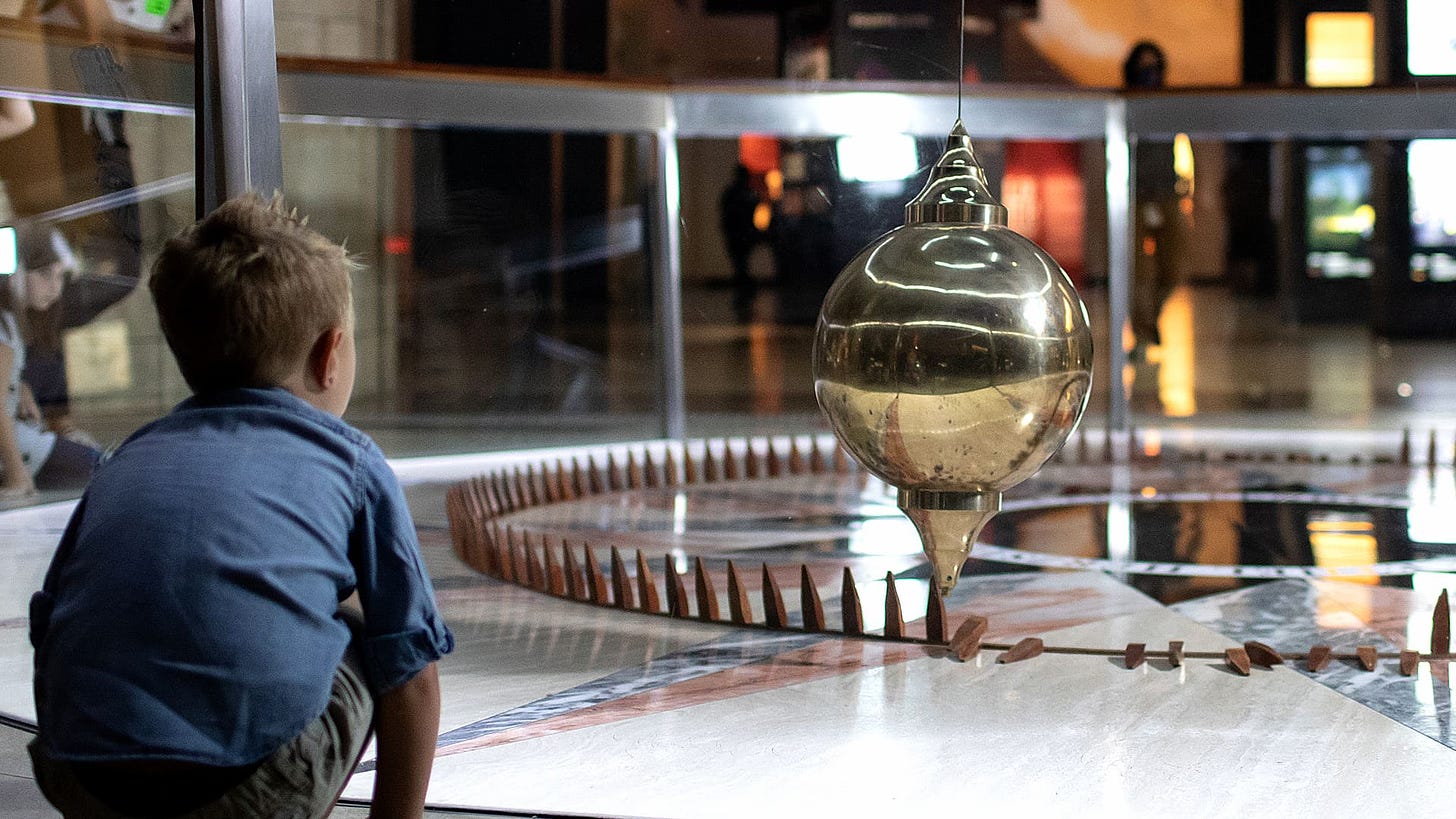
1367, 656
1262, 654
1134, 654
1024, 650
1319, 657
1237, 659
1408, 662
966, 643
1175, 653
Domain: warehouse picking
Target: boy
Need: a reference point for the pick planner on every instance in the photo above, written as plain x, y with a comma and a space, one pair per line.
191, 657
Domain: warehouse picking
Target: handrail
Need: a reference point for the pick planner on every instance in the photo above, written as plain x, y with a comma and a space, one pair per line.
159, 80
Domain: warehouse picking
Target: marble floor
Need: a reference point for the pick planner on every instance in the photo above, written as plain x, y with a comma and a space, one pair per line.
555, 707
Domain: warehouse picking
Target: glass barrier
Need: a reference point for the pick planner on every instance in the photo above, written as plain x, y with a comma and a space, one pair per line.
768, 223
96, 172
503, 298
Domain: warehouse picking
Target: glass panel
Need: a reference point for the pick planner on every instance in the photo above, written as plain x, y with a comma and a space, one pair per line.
760, 250
96, 163
1284, 312
503, 297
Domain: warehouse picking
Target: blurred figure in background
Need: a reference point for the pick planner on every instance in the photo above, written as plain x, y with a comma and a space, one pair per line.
1160, 218
736, 209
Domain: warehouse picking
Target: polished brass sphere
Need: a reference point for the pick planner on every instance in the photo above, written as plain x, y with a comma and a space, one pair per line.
952, 358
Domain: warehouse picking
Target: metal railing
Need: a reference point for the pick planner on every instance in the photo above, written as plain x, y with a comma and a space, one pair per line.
159, 79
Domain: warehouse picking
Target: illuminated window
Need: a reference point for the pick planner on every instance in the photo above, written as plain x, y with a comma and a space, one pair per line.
1430, 37
1339, 48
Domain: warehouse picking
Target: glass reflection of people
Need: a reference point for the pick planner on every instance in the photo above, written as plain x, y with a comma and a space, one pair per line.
1160, 217
32, 457
736, 208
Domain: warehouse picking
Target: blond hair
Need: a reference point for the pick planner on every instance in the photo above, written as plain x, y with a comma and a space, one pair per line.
243, 294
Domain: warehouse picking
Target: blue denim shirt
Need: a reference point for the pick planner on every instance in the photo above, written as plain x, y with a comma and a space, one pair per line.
191, 610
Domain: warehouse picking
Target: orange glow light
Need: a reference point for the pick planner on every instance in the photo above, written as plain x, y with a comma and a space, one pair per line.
1339, 48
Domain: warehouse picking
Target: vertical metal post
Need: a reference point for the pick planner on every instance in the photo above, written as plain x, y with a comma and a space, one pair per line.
1119, 257
238, 142
667, 280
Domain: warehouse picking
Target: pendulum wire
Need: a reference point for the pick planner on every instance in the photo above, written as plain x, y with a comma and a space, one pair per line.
961, 74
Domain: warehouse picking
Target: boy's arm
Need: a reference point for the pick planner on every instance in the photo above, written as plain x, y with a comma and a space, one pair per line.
406, 724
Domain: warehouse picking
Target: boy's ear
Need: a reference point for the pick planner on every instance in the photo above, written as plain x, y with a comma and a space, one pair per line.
323, 358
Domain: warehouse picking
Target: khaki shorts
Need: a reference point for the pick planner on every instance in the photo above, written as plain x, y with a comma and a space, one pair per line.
300, 780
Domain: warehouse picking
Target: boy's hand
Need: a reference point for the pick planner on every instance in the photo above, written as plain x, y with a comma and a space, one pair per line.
27, 409
406, 726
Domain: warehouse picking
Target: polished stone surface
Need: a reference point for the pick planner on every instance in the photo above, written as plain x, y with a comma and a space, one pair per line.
557, 706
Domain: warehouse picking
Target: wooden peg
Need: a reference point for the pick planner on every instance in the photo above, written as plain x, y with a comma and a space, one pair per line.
1408, 662
579, 485
595, 483
1262, 654
677, 593
596, 581
752, 468
841, 460
1082, 446
1134, 654
894, 618
533, 496
809, 602
707, 596
614, 480
816, 456
555, 578
690, 466
739, 610
775, 469
1319, 657
534, 569
967, 640
934, 615
550, 486
1237, 659
1431, 450
1441, 625
649, 471
730, 462
1107, 446
1405, 447
634, 472
520, 567
564, 488
621, 583
518, 488
574, 586
853, 615
669, 468
796, 458
646, 585
710, 464
1175, 653
1024, 650
774, 613
507, 556
1368, 657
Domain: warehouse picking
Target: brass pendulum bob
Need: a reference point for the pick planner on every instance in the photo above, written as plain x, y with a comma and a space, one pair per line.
952, 358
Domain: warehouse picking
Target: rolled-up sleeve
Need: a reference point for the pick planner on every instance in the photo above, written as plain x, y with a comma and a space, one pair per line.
403, 630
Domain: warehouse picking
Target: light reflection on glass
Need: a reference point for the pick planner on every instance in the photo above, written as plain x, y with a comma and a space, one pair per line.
1432, 514
680, 515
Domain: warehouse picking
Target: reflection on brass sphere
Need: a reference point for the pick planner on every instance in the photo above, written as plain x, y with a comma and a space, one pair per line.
952, 358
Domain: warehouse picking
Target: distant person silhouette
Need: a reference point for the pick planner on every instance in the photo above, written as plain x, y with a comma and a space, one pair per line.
1161, 222
736, 209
